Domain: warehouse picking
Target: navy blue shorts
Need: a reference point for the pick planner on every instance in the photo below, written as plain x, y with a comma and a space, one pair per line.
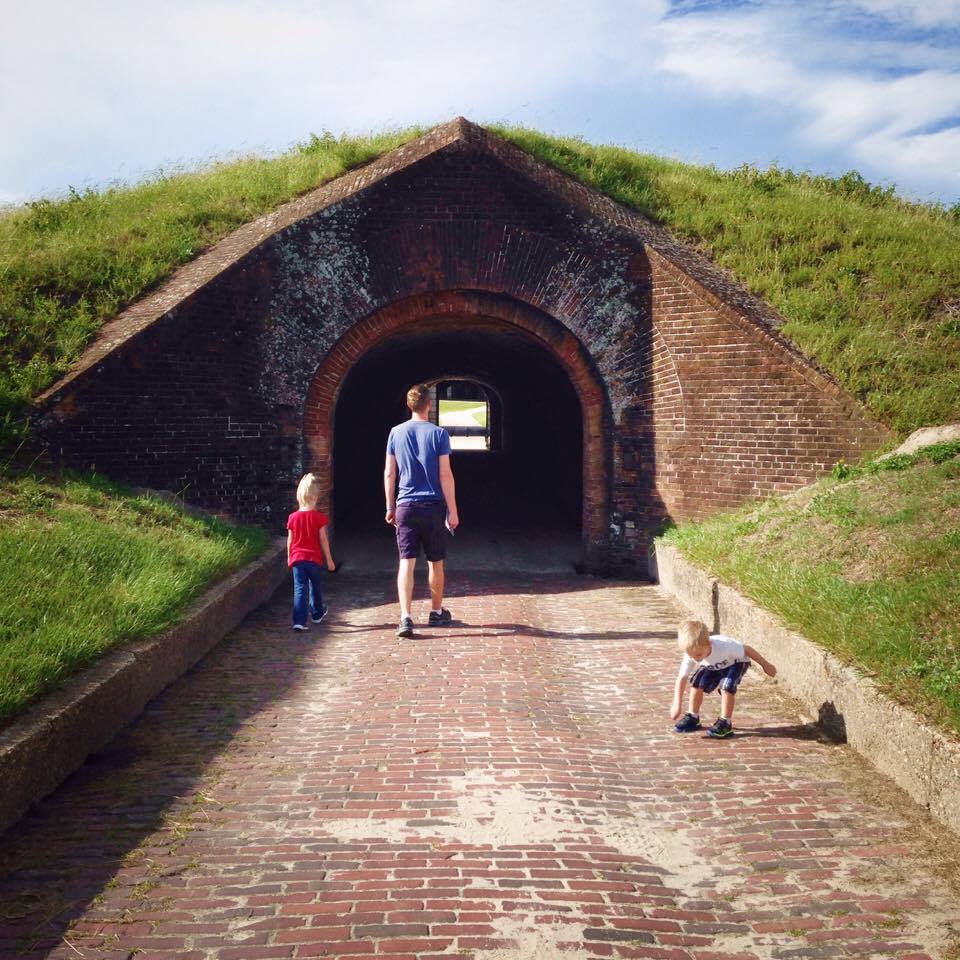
421, 523
708, 679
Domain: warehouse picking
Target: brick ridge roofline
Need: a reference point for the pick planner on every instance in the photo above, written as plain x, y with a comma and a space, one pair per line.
686, 263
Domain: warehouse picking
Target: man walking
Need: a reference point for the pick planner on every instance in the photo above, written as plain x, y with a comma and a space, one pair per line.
421, 501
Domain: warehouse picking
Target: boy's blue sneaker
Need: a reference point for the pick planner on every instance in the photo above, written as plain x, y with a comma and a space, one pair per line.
323, 613
721, 729
687, 723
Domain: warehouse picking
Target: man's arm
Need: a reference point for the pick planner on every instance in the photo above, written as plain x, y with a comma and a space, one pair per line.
390, 487
768, 668
449, 491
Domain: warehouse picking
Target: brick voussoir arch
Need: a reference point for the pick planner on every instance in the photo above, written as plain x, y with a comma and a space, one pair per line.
487, 309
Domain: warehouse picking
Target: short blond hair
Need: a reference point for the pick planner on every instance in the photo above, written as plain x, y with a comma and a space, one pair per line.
418, 397
692, 635
308, 491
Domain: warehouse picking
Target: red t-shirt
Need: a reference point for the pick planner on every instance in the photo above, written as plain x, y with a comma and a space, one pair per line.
305, 527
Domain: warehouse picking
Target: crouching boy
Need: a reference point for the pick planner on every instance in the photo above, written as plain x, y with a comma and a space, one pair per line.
710, 663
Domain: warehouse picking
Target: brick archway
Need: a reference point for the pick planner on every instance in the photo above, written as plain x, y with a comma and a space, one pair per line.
469, 310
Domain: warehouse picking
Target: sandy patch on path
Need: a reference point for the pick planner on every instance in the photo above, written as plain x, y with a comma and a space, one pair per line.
535, 941
493, 813
664, 846
488, 814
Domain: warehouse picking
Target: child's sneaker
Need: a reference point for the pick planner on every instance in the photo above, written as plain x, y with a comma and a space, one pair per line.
299, 626
441, 619
406, 627
687, 723
323, 613
721, 728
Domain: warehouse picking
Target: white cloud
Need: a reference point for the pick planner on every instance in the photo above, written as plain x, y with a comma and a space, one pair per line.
847, 108
111, 88
804, 66
920, 13
727, 55
174, 75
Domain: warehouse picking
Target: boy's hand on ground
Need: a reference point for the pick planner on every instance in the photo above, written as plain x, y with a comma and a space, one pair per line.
675, 711
770, 670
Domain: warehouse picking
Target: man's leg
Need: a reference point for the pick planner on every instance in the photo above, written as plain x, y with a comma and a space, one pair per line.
405, 584
436, 550
436, 575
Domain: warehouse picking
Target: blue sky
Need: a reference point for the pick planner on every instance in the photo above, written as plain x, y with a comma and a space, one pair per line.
106, 90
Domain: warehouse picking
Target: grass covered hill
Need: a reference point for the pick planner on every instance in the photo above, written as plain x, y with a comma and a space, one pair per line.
86, 565
69, 265
869, 283
866, 563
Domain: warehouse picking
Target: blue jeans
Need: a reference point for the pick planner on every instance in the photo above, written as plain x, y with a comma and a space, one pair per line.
307, 583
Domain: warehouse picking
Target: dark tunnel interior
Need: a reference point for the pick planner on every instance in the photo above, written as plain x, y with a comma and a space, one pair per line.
530, 479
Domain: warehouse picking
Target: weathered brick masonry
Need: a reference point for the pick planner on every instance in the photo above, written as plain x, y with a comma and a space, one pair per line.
224, 383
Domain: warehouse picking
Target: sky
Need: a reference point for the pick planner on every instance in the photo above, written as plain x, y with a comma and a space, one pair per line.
102, 91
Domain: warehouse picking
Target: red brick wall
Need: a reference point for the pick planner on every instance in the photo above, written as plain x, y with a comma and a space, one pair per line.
223, 383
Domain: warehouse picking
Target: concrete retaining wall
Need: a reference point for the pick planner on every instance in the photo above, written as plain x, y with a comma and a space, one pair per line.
47, 743
847, 703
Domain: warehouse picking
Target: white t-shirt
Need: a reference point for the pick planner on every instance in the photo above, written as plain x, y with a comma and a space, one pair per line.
725, 652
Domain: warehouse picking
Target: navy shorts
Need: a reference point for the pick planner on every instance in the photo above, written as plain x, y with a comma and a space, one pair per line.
421, 523
708, 679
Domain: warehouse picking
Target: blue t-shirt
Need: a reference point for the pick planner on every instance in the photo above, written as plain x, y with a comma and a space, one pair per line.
418, 445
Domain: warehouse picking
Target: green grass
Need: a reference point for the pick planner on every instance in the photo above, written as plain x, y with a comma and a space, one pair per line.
66, 266
86, 565
477, 407
869, 283
866, 563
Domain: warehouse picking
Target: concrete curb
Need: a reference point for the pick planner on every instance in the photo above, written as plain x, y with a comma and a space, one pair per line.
55, 735
840, 698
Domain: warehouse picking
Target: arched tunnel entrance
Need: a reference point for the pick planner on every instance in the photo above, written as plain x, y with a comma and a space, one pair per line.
519, 491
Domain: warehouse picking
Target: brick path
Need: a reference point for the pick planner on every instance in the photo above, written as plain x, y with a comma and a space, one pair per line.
507, 789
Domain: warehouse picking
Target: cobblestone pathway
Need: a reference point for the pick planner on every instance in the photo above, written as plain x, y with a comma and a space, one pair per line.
509, 788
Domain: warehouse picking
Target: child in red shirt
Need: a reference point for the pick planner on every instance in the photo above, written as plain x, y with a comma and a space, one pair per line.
307, 548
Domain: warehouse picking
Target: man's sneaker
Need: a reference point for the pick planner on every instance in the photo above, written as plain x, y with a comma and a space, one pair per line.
687, 723
299, 626
406, 627
721, 728
441, 619
323, 613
